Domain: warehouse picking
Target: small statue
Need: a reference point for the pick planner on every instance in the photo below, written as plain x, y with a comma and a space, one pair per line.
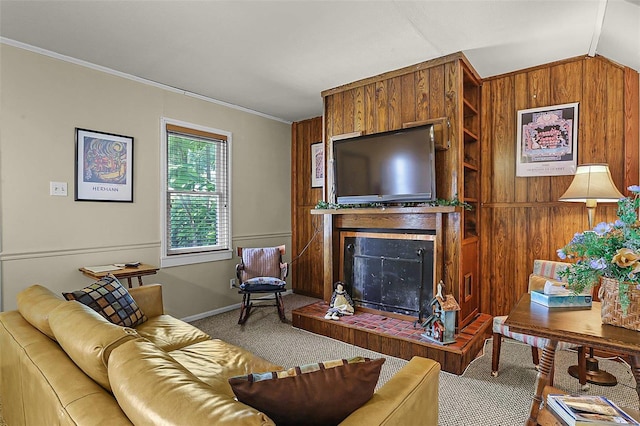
341, 303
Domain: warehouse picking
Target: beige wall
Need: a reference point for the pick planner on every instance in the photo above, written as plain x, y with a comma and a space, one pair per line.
45, 239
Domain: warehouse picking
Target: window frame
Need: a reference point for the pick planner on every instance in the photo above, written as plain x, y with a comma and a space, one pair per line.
179, 259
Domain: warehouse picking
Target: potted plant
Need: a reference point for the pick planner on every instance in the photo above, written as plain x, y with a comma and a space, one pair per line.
609, 255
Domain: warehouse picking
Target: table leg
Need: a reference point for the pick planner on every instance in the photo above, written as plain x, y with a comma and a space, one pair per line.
544, 371
140, 280
129, 281
635, 367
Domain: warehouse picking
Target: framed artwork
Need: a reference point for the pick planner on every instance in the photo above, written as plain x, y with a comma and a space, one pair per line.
547, 141
317, 165
104, 167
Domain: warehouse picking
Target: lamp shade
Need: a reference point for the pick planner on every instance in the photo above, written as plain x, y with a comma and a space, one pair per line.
592, 182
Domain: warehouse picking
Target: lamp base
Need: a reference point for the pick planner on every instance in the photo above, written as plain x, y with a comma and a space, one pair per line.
594, 374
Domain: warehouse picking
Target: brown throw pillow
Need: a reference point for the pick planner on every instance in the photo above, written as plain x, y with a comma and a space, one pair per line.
110, 299
317, 394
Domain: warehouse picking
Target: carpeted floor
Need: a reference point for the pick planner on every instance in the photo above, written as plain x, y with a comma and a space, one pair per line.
475, 398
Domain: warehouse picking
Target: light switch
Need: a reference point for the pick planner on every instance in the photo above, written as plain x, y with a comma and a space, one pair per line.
58, 189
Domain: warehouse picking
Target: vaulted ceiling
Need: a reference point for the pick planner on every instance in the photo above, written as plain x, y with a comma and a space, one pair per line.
275, 57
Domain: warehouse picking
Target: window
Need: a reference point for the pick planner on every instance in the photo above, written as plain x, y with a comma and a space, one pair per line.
196, 196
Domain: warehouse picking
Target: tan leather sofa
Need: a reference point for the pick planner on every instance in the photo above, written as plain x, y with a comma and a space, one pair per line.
61, 363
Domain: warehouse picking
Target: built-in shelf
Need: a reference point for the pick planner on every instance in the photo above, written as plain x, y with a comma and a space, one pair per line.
470, 136
470, 166
469, 109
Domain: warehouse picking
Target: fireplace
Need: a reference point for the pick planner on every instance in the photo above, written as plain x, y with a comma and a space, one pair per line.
391, 272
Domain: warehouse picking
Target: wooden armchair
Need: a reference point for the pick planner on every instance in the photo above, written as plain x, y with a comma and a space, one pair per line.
261, 271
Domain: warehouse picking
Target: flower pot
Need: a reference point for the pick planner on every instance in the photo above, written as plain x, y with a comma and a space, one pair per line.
612, 312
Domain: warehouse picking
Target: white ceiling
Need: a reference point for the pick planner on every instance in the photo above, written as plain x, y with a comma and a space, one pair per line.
275, 57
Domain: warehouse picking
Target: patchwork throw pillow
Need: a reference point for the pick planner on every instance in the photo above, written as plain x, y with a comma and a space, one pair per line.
317, 394
111, 300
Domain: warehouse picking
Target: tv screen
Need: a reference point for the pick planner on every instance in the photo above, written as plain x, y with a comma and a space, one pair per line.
396, 166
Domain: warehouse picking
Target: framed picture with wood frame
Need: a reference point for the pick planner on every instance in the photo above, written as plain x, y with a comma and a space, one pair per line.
317, 165
104, 166
547, 141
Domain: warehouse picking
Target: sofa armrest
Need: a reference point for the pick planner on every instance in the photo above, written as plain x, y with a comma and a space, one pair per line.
412, 393
149, 299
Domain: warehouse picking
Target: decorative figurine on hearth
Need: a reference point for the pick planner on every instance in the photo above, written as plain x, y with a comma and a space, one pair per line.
341, 303
440, 326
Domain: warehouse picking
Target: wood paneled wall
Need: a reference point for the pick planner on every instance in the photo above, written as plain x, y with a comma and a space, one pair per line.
522, 219
306, 271
425, 91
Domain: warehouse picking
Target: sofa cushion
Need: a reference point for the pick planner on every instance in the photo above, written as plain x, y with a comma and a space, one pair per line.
111, 300
320, 394
88, 338
214, 361
163, 391
170, 333
35, 303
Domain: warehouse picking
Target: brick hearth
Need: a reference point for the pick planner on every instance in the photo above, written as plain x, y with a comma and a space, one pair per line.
394, 336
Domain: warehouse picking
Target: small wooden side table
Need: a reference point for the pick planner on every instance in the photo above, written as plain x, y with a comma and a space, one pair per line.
582, 326
128, 273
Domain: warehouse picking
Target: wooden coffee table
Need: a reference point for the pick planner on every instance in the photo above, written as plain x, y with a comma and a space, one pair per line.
580, 326
128, 273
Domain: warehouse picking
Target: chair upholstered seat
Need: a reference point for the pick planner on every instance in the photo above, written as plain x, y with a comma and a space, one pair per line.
535, 341
543, 271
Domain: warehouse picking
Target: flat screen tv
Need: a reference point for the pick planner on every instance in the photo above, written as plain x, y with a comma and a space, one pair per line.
389, 167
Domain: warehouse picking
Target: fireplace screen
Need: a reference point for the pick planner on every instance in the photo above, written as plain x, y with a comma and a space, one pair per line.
389, 272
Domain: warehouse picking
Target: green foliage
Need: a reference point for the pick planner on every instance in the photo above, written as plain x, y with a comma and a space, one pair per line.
190, 180
610, 250
439, 202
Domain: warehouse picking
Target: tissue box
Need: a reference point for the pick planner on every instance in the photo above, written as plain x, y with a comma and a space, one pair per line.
561, 300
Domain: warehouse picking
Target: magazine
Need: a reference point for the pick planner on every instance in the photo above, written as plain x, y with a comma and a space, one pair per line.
588, 410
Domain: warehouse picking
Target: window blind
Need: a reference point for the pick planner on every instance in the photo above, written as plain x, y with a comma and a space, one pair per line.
197, 191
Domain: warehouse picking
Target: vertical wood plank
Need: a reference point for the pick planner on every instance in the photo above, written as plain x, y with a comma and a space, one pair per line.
422, 94
538, 188
631, 126
382, 107
592, 148
394, 100
522, 101
370, 108
408, 96
614, 130
566, 87
338, 114
437, 92
348, 103
504, 154
359, 109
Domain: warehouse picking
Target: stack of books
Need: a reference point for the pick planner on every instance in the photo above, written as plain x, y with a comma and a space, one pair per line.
587, 410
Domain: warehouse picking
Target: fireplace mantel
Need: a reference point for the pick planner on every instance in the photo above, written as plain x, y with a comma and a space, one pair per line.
389, 210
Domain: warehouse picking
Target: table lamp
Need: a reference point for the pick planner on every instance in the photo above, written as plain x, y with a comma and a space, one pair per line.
592, 184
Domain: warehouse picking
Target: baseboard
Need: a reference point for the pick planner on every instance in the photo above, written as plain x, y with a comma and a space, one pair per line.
224, 309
